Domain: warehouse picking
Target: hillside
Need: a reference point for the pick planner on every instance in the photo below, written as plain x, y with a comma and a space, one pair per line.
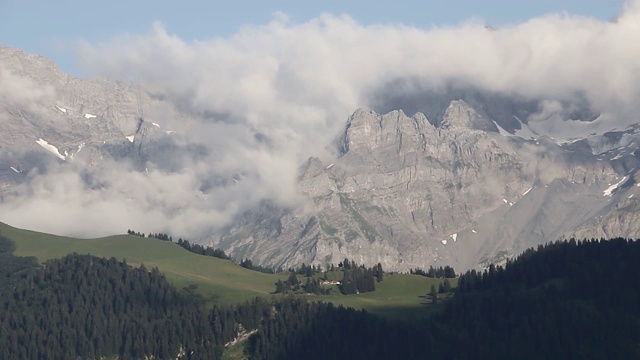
214, 277
221, 281
562, 300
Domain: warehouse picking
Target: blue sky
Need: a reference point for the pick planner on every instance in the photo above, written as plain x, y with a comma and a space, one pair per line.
53, 28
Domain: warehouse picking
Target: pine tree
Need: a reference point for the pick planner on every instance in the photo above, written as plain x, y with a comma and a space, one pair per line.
434, 294
280, 287
293, 281
447, 286
379, 272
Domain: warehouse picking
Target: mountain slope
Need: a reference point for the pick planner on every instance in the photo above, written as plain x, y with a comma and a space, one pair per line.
408, 194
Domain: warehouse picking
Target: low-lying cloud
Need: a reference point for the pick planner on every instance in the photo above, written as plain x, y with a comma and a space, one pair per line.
268, 97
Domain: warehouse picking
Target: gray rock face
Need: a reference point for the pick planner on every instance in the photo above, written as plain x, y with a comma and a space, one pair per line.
408, 194
48, 117
460, 188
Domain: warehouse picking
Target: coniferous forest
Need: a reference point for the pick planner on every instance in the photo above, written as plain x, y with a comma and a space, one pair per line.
575, 299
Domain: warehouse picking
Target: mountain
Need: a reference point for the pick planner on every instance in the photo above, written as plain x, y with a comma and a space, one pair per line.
45, 112
409, 194
476, 180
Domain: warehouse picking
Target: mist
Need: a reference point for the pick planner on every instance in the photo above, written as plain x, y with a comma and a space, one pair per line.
263, 100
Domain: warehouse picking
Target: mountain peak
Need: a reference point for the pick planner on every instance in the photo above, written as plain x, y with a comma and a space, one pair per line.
367, 131
460, 114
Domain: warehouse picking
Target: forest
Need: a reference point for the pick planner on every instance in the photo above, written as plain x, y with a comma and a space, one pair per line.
572, 299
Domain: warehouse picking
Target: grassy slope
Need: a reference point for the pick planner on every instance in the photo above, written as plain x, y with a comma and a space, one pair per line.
398, 296
223, 278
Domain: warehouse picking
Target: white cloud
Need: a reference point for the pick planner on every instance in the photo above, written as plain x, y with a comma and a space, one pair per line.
21, 91
301, 78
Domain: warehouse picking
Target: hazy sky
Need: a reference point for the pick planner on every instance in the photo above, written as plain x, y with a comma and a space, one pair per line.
53, 28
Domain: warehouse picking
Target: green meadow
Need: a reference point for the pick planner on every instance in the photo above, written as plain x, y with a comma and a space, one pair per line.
398, 296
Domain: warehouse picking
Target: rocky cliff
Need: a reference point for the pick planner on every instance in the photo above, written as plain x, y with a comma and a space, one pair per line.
406, 193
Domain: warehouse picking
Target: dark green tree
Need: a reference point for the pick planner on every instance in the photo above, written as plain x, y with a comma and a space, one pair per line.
434, 294
379, 272
280, 287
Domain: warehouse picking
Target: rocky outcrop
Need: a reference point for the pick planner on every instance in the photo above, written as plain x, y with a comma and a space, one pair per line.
408, 194
49, 117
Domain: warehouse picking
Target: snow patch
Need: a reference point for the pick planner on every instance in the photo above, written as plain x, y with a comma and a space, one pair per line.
526, 192
50, 148
62, 110
613, 187
454, 237
502, 131
505, 201
566, 141
330, 166
617, 156
77, 151
444, 242
16, 170
154, 124
525, 131
130, 138
169, 132
630, 196
473, 231
89, 116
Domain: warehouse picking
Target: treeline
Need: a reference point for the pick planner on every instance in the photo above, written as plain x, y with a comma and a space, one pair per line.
202, 250
359, 279
355, 278
159, 236
194, 248
584, 262
573, 299
248, 264
311, 285
207, 251
441, 272
307, 270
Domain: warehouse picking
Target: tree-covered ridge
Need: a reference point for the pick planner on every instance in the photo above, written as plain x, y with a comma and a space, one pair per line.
194, 248
87, 307
440, 272
574, 299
